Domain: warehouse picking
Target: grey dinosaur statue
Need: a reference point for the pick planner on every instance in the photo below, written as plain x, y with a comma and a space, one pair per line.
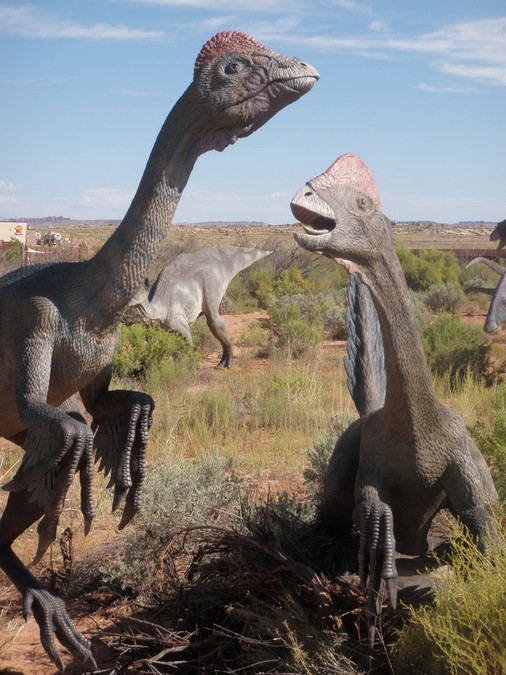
497, 309
499, 234
59, 324
194, 284
396, 466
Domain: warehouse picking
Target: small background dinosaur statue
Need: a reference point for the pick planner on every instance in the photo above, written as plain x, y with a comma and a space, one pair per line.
499, 234
398, 465
194, 284
497, 309
59, 324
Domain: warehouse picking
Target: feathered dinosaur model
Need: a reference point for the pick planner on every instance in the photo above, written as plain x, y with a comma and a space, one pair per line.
194, 284
396, 466
59, 324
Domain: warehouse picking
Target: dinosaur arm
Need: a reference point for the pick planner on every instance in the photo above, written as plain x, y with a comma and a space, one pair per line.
56, 443
121, 420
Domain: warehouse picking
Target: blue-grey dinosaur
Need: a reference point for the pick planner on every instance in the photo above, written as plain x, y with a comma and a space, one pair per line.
497, 309
194, 284
397, 465
59, 323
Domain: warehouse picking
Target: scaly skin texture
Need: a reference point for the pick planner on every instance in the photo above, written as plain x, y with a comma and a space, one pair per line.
394, 468
59, 323
194, 284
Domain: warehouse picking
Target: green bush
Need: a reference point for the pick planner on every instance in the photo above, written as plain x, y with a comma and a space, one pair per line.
319, 455
444, 298
491, 440
456, 349
297, 321
429, 267
463, 634
143, 347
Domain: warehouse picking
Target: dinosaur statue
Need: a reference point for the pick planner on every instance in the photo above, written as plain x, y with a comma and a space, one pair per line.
194, 284
497, 309
395, 467
59, 324
499, 234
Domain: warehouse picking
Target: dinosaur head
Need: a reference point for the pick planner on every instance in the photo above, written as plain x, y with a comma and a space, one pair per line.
340, 211
241, 84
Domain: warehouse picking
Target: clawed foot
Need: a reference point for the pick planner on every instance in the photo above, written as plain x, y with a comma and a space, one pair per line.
51, 615
376, 558
121, 445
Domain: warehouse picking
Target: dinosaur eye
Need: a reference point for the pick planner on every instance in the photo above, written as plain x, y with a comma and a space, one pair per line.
233, 67
361, 202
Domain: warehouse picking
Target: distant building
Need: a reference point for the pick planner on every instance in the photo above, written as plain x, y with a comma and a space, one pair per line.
10, 230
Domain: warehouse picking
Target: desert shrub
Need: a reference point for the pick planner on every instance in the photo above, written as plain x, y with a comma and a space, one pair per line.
463, 634
454, 348
297, 322
142, 347
318, 456
334, 320
257, 339
490, 437
176, 495
429, 267
444, 298
422, 313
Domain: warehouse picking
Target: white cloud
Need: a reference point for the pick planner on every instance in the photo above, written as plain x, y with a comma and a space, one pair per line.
26, 21
235, 5
106, 197
475, 50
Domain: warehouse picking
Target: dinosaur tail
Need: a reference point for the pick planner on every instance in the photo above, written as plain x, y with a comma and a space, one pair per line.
365, 361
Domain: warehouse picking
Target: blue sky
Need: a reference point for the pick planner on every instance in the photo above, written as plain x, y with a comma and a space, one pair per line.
416, 89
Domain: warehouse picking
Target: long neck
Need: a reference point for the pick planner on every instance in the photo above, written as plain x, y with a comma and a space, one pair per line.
119, 268
410, 393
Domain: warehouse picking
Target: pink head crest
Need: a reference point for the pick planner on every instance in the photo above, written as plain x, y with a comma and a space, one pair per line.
348, 170
225, 42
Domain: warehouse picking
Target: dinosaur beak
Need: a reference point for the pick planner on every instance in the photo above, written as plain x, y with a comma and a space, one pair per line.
317, 218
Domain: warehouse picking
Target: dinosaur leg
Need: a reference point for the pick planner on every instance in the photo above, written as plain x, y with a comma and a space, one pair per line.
48, 609
376, 557
217, 328
472, 495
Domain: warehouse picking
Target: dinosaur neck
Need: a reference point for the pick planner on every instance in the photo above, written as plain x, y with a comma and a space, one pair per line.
410, 393
119, 268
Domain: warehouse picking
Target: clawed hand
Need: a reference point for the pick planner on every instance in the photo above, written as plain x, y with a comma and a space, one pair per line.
376, 557
121, 446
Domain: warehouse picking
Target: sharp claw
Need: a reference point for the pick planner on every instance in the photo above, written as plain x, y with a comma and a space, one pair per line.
128, 513
42, 547
392, 592
88, 521
371, 630
90, 663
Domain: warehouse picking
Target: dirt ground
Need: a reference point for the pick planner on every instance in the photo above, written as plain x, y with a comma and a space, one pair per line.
20, 649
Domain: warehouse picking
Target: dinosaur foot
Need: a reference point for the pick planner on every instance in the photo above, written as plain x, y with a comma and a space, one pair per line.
51, 615
376, 558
